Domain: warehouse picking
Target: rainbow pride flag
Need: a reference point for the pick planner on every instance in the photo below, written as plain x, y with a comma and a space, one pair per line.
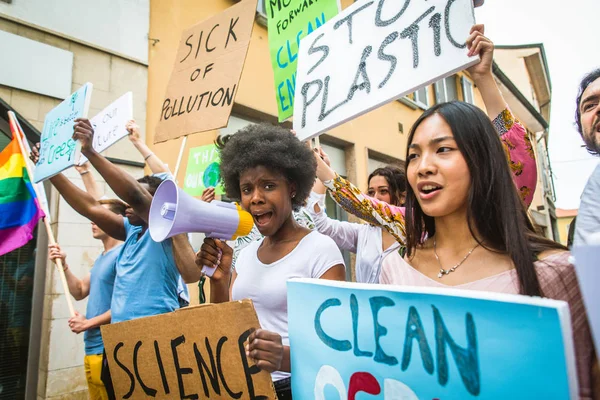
19, 207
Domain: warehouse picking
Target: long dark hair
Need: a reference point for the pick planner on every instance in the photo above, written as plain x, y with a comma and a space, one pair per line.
495, 210
396, 179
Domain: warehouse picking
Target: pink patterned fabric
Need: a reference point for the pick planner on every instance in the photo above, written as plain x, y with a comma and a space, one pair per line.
557, 279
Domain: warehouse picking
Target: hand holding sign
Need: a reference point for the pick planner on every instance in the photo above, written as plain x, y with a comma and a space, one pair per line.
83, 168
266, 349
84, 132
480, 45
35, 153
134, 130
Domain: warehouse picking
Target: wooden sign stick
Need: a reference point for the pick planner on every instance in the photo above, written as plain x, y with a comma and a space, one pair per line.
179, 157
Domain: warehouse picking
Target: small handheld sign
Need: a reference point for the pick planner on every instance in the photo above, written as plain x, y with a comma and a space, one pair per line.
109, 124
58, 150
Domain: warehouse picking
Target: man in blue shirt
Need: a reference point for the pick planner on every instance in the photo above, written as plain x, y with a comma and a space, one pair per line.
98, 285
147, 271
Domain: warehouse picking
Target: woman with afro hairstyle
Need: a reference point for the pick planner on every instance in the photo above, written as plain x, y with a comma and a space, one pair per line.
270, 172
370, 243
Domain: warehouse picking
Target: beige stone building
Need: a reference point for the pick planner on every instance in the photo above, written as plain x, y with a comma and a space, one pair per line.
50, 49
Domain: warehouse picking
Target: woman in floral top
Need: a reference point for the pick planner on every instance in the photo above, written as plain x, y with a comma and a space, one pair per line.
513, 135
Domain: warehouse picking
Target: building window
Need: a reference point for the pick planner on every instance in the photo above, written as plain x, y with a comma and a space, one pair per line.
261, 13
378, 160
373, 164
420, 97
467, 89
262, 7
337, 157
445, 89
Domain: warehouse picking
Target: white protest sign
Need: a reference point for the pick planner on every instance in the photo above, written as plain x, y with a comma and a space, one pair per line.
109, 124
376, 51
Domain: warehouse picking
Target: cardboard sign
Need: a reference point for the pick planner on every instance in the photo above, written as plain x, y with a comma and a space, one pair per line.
206, 73
376, 51
289, 21
109, 124
203, 170
195, 352
58, 150
587, 267
410, 343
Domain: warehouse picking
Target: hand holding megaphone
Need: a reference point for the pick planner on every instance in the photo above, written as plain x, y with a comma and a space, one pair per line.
217, 255
173, 212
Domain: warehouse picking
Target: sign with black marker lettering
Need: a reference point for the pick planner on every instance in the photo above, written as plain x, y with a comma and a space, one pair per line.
205, 77
410, 343
289, 21
376, 51
195, 352
109, 124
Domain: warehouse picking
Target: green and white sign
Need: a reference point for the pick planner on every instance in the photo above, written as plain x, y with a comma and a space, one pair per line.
289, 22
203, 171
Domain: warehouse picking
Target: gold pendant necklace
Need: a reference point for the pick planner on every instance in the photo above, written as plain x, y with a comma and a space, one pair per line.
447, 271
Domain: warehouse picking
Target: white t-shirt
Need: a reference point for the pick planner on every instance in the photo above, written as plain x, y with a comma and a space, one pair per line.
265, 284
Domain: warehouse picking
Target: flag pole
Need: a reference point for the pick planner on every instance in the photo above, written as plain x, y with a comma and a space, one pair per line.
51, 238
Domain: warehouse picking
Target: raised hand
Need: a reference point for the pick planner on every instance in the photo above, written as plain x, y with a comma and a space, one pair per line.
85, 167
481, 45
208, 194
35, 153
134, 130
84, 132
324, 156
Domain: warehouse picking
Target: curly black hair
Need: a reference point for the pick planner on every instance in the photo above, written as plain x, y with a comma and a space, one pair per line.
585, 82
152, 181
271, 147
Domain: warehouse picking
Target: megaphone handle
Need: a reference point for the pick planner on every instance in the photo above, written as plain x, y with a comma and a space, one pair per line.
209, 271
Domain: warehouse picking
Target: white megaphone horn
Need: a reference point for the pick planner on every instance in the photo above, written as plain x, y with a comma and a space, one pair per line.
173, 211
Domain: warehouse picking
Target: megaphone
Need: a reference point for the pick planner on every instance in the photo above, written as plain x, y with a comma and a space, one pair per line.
173, 211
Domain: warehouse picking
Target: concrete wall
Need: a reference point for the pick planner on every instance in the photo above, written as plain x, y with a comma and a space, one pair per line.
61, 373
116, 26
